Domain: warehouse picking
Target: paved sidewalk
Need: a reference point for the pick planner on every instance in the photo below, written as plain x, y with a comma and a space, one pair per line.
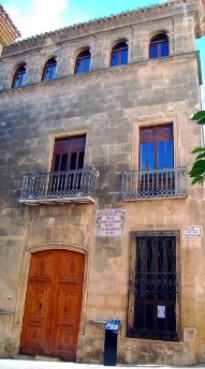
34, 364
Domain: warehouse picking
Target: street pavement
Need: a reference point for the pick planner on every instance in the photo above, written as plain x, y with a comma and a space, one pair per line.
41, 364
34, 364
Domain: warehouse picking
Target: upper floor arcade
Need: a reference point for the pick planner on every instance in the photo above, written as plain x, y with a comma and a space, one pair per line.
159, 31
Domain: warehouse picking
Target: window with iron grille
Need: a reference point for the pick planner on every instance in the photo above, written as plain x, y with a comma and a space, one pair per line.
153, 286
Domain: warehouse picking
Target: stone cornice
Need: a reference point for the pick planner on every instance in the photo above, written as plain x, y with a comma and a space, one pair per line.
92, 26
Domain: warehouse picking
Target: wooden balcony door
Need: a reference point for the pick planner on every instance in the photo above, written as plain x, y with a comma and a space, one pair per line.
68, 154
53, 304
156, 153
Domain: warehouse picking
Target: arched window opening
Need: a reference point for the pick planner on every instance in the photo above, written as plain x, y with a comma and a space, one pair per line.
19, 77
49, 71
159, 46
119, 54
82, 63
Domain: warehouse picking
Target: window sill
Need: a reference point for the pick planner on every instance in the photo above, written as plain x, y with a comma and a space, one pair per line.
153, 341
171, 197
59, 201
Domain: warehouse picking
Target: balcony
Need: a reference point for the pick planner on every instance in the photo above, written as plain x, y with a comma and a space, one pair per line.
158, 183
76, 186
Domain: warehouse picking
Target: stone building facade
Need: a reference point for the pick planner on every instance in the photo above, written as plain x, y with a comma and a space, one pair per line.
98, 217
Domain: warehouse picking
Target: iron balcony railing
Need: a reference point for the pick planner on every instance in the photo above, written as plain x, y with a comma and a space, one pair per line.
57, 185
154, 183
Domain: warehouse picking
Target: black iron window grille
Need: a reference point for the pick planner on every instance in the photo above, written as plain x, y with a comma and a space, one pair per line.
153, 286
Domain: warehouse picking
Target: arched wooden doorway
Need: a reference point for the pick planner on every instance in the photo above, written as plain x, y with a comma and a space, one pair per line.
53, 304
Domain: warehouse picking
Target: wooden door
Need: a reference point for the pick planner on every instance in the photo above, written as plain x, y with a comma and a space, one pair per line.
53, 304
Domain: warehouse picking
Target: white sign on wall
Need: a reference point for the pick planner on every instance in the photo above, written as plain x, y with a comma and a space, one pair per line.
192, 231
110, 222
161, 311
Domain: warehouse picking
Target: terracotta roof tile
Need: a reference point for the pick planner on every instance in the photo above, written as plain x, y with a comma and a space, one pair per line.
9, 21
104, 19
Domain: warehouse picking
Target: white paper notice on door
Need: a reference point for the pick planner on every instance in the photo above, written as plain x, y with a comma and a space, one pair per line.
161, 311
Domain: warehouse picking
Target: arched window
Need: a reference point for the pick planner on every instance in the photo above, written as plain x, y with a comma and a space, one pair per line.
119, 54
159, 46
82, 63
19, 76
49, 71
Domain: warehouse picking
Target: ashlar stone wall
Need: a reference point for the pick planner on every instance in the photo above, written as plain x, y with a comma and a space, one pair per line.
109, 105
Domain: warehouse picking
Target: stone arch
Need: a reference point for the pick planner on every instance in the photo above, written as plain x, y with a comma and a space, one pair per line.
158, 31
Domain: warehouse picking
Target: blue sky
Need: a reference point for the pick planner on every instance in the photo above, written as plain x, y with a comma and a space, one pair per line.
32, 17
37, 16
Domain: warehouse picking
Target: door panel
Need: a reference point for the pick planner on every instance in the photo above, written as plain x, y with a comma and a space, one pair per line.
38, 304
36, 311
66, 331
53, 304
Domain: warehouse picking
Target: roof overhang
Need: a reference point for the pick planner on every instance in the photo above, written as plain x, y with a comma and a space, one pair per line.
8, 31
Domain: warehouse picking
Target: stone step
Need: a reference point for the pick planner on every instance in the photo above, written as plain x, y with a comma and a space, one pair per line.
46, 358
24, 357
37, 358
